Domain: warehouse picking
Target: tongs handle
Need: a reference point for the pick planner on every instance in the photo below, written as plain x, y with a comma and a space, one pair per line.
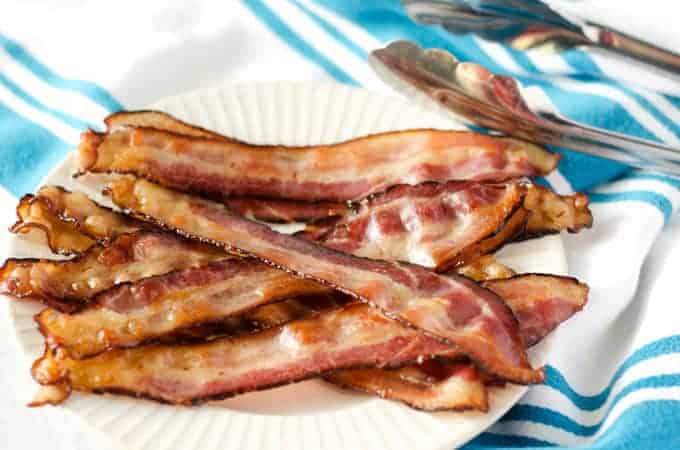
499, 103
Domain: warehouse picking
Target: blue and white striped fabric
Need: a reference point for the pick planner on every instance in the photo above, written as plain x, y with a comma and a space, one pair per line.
615, 382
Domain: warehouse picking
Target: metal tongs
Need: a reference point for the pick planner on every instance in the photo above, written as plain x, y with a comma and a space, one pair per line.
530, 24
500, 103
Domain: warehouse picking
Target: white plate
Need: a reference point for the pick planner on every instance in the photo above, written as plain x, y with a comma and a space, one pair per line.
312, 414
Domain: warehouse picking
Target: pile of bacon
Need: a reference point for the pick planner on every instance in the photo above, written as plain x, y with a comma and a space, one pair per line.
184, 295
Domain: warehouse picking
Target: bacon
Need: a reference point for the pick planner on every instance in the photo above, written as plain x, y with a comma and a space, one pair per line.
485, 268
540, 302
36, 215
71, 221
429, 386
430, 224
130, 314
347, 171
551, 213
160, 121
354, 336
453, 309
286, 211
66, 285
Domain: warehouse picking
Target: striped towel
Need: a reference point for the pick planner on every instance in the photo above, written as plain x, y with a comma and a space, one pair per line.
615, 381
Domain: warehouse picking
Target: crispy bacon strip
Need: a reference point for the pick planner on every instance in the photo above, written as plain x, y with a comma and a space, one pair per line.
540, 302
63, 237
71, 221
160, 121
429, 386
485, 268
347, 171
66, 285
430, 224
453, 309
550, 212
130, 314
354, 336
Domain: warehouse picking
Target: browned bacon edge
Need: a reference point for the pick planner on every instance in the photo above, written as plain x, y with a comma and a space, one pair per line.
140, 254
160, 121
480, 157
428, 386
71, 221
35, 214
552, 213
496, 348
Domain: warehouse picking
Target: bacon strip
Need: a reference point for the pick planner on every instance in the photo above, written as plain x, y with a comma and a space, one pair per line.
35, 214
540, 302
430, 224
354, 336
66, 285
429, 386
160, 121
347, 171
476, 206
71, 221
453, 309
552, 213
130, 314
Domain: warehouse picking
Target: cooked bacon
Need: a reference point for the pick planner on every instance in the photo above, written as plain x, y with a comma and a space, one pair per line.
354, 336
550, 212
453, 309
430, 224
35, 214
160, 121
347, 171
429, 386
485, 268
71, 221
66, 285
286, 211
540, 302
130, 314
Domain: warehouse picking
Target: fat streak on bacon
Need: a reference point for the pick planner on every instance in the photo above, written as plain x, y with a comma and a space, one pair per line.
342, 172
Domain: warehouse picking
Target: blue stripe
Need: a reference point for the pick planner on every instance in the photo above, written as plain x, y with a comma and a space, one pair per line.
271, 20
650, 424
582, 62
672, 181
556, 380
330, 29
553, 418
27, 153
23, 95
653, 198
32, 64
486, 440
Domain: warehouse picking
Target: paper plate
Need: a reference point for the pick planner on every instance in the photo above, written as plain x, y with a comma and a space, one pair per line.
311, 414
